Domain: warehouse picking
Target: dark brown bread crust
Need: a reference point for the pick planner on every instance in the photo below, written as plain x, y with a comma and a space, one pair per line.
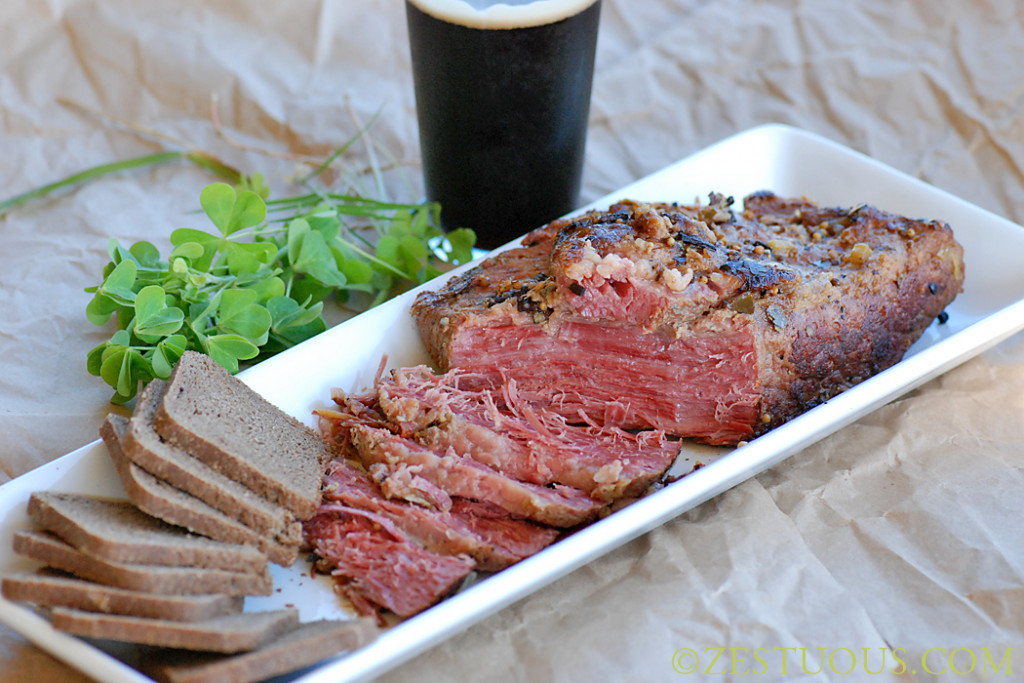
827, 296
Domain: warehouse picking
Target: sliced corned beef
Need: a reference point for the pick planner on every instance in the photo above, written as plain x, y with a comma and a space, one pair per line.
524, 440
556, 505
495, 541
377, 566
509, 534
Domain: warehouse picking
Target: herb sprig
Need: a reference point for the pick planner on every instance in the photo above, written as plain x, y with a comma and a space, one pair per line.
257, 284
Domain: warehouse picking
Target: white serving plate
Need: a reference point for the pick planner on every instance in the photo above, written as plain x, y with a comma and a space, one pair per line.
782, 159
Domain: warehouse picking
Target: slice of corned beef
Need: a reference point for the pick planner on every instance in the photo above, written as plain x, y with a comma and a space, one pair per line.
557, 505
495, 541
507, 533
526, 441
376, 565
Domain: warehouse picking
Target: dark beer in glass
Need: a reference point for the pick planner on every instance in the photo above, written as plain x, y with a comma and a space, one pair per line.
502, 100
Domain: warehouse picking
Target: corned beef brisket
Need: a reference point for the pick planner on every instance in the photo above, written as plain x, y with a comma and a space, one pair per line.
571, 366
697, 320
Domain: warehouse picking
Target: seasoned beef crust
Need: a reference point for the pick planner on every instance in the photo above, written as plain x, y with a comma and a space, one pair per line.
700, 320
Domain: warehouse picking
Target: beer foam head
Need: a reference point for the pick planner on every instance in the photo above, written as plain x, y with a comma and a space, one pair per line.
504, 14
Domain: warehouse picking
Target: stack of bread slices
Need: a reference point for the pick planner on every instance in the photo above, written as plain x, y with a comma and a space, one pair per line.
218, 483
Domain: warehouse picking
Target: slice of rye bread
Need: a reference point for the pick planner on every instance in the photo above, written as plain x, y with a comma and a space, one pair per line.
150, 578
58, 590
175, 506
118, 531
171, 464
310, 643
227, 634
221, 421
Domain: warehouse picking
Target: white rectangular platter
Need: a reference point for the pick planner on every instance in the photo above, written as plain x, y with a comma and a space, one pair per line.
778, 158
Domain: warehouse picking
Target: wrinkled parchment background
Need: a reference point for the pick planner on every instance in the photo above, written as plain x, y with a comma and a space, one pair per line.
901, 531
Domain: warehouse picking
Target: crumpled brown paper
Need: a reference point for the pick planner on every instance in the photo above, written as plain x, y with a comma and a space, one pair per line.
900, 532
